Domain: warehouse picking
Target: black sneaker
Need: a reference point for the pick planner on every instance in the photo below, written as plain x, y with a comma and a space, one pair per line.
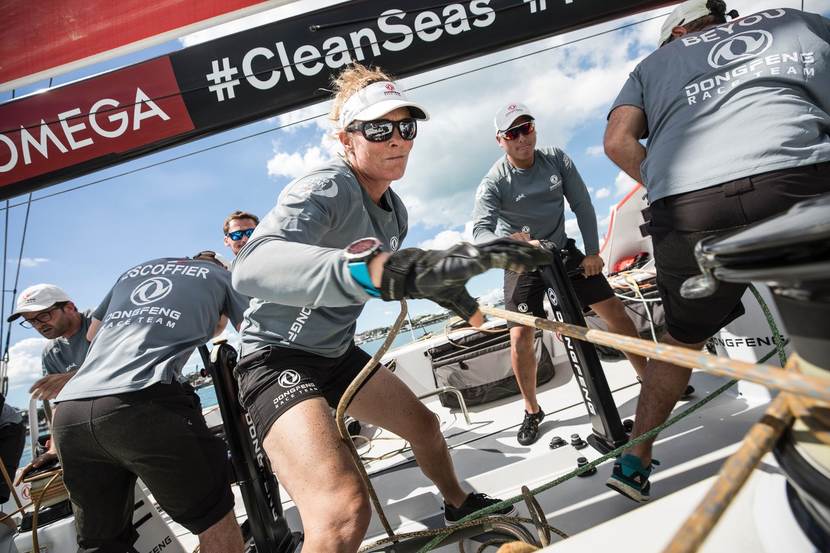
474, 502
529, 430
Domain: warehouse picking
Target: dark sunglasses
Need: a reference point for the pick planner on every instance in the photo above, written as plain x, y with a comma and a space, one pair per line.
238, 234
44, 317
380, 130
514, 132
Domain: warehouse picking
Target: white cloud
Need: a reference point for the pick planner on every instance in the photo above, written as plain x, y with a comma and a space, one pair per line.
448, 238
316, 114
24, 362
571, 227
492, 297
603, 192
624, 183
595, 151
29, 262
295, 165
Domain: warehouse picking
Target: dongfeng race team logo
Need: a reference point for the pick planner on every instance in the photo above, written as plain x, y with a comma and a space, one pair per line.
393, 243
151, 291
522, 307
739, 47
288, 378
555, 181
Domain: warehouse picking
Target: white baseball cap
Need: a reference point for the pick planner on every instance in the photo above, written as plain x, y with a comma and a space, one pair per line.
684, 13
37, 298
376, 100
508, 114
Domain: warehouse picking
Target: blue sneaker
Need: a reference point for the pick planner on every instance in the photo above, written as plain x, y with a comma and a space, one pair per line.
630, 477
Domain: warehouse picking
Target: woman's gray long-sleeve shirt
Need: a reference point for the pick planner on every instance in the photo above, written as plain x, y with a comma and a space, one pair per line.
303, 295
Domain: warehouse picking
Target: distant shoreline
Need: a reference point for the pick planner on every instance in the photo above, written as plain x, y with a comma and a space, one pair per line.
417, 322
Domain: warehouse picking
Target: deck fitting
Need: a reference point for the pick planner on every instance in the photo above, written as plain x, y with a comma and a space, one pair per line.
581, 462
578, 442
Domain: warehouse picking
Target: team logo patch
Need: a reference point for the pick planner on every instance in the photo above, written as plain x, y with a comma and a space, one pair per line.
394, 243
288, 378
739, 47
526, 229
555, 182
315, 185
151, 291
522, 307
520, 197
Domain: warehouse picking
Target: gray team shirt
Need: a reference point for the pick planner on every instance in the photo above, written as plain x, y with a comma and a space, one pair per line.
304, 296
155, 316
532, 200
746, 97
9, 415
62, 355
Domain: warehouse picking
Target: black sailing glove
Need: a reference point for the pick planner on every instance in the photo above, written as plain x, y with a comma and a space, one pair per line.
440, 275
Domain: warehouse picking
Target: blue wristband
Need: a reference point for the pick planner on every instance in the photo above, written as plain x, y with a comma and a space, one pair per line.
360, 272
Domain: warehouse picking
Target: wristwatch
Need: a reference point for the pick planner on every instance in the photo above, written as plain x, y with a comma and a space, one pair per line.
358, 254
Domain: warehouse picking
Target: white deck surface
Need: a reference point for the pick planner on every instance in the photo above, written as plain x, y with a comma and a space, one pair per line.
488, 459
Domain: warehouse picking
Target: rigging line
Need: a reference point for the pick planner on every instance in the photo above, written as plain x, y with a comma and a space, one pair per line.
169, 160
541, 51
5, 348
370, 44
312, 117
3, 295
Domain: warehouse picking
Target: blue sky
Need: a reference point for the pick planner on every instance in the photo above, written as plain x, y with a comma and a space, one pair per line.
84, 239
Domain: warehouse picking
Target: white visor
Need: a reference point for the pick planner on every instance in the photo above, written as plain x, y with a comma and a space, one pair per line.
375, 101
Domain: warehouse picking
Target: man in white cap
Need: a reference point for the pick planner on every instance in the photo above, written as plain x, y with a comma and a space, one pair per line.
51, 312
523, 197
737, 117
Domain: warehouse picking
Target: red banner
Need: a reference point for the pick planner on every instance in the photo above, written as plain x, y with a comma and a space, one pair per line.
45, 37
107, 116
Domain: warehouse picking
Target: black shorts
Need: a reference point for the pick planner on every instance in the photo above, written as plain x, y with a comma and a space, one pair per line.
12, 440
157, 434
524, 292
679, 222
274, 379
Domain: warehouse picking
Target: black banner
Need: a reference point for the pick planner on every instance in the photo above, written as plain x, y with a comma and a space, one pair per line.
263, 72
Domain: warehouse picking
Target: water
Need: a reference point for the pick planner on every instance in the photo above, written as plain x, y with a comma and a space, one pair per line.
405, 337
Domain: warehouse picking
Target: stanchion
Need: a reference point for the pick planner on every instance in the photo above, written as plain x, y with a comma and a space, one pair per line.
257, 483
608, 430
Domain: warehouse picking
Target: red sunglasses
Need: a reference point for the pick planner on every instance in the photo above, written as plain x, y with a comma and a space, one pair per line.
513, 132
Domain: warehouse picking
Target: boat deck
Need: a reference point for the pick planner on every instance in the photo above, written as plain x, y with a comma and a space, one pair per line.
489, 459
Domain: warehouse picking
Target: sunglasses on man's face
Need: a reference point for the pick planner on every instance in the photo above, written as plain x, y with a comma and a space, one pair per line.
238, 234
380, 130
514, 132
